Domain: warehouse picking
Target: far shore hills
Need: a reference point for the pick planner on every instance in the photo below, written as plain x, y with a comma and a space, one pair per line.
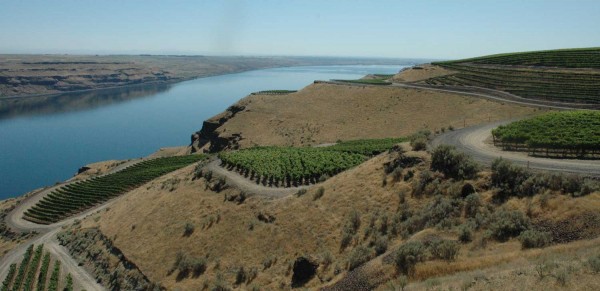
35, 75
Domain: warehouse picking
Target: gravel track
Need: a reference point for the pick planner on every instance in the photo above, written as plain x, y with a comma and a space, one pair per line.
475, 142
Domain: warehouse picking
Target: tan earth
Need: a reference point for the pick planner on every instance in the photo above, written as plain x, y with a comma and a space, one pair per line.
420, 73
324, 113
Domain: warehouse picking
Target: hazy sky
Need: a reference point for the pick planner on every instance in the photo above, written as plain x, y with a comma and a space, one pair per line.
417, 28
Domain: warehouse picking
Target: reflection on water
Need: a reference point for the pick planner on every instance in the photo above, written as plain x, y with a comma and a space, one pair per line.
76, 101
46, 139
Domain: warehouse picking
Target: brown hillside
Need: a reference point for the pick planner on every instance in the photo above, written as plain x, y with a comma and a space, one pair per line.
324, 113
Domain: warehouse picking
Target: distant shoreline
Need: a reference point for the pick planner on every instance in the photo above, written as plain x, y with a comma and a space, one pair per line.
172, 81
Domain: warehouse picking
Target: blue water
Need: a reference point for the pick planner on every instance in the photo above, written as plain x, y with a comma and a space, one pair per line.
45, 140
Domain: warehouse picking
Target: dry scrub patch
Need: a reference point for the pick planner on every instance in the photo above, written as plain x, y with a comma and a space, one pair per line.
420, 73
149, 226
324, 113
256, 242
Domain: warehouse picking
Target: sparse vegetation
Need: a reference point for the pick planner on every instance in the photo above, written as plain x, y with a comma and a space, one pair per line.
447, 160
505, 224
359, 256
408, 255
534, 239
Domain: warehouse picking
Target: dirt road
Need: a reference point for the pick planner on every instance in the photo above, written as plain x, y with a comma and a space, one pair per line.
82, 279
474, 141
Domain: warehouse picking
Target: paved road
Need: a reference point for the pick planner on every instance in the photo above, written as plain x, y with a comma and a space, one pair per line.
475, 141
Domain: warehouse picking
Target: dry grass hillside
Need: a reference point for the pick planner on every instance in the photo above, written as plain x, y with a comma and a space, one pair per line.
420, 73
324, 113
249, 243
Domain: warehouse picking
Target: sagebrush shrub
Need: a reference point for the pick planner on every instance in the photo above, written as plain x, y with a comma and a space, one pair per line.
408, 255
506, 224
453, 164
359, 256
534, 239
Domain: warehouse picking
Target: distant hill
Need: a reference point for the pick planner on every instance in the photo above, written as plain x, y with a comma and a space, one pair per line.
567, 75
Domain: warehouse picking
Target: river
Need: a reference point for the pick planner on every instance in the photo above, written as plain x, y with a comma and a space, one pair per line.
46, 139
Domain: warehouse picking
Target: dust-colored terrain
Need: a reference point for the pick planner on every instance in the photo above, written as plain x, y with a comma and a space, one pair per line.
324, 113
420, 73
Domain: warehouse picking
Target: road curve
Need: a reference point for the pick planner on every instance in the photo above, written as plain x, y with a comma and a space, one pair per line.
47, 235
475, 142
245, 184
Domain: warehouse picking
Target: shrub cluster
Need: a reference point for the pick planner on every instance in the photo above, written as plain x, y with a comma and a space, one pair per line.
505, 224
453, 164
418, 140
534, 239
512, 180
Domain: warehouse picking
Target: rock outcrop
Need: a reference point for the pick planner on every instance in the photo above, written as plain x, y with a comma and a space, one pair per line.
210, 140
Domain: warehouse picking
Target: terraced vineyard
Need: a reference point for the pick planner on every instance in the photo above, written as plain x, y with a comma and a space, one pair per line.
564, 58
287, 166
32, 273
498, 72
284, 166
76, 197
377, 81
274, 92
367, 147
560, 134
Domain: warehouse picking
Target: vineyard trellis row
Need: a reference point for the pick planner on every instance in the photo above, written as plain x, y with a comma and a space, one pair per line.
32, 272
76, 197
573, 134
288, 166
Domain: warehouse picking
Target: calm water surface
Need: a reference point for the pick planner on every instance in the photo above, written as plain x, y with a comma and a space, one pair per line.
45, 140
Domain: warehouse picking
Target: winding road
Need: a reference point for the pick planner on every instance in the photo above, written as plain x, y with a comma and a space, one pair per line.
47, 234
474, 141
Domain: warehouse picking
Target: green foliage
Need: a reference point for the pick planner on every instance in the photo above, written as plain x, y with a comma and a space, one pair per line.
507, 178
575, 131
472, 204
76, 197
53, 284
568, 58
9, 277
534, 239
367, 147
446, 159
274, 92
408, 255
444, 249
366, 81
69, 283
465, 234
573, 86
505, 224
287, 163
594, 263
418, 140
23, 268
41, 285
359, 256
33, 268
